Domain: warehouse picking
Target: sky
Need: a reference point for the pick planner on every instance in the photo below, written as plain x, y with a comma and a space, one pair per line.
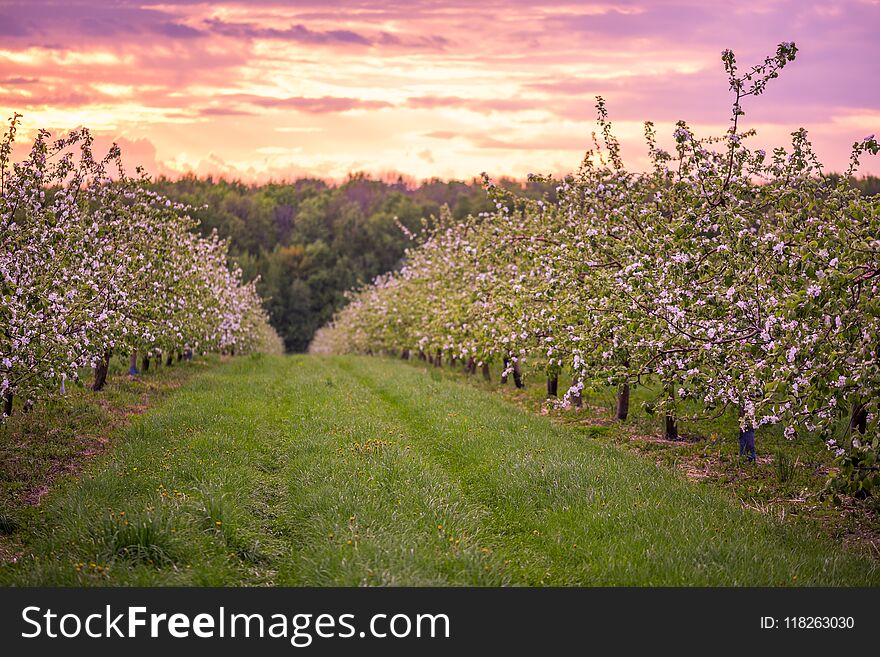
272, 90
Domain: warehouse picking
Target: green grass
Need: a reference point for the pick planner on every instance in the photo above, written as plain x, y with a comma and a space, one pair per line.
787, 481
59, 435
349, 471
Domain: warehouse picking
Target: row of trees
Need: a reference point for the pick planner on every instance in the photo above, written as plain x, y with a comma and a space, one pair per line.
92, 261
728, 276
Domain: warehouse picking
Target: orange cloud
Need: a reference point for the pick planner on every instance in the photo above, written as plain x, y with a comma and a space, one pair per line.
269, 89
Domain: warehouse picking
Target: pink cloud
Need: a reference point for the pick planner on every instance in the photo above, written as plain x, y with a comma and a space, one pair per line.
363, 83
320, 105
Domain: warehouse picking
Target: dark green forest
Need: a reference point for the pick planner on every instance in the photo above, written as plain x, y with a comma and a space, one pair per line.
310, 241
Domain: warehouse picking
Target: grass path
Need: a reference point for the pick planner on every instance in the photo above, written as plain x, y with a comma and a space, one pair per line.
345, 471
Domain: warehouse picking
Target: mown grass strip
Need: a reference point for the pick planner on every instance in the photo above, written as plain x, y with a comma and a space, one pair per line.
349, 471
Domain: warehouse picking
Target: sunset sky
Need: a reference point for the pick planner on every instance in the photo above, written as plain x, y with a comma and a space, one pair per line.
271, 89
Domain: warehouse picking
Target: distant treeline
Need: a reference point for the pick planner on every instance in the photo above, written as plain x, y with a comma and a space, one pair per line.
310, 241
869, 185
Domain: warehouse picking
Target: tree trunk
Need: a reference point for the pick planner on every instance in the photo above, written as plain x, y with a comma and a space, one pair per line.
101, 372
747, 443
7, 404
170, 359
553, 386
623, 402
487, 376
671, 432
404, 354
132, 364
422, 355
471, 366
517, 374
438, 361
145, 363
505, 365
858, 419
180, 355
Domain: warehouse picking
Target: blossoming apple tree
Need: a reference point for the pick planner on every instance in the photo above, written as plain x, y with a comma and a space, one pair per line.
733, 279
92, 261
